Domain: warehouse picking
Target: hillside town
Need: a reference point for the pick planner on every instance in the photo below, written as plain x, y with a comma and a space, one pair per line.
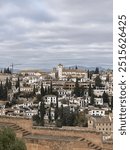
64, 97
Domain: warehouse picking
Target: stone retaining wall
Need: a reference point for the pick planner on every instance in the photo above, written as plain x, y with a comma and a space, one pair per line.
38, 144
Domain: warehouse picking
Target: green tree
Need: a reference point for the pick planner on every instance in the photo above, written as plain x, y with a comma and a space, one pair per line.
42, 90
9, 141
10, 85
105, 97
49, 115
60, 121
36, 119
96, 70
34, 90
1, 90
111, 105
7, 82
98, 82
88, 74
56, 109
39, 97
61, 112
42, 112
4, 89
46, 91
70, 119
7, 70
51, 88
67, 117
89, 90
82, 91
77, 89
82, 121
5, 92
18, 85
92, 100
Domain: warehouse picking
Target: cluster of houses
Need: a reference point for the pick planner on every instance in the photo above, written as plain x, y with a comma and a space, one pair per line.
63, 81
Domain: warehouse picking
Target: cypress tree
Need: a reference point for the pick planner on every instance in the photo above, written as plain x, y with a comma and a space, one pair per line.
61, 112
5, 93
34, 90
77, 89
92, 100
42, 113
96, 70
18, 84
7, 83
98, 82
49, 115
111, 103
42, 90
10, 85
1, 90
89, 90
51, 87
56, 109
88, 74
105, 98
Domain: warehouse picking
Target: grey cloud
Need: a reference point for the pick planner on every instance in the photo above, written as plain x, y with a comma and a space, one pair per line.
48, 32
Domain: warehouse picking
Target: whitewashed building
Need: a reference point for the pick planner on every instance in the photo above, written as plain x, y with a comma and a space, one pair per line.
49, 99
98, 101
96, 112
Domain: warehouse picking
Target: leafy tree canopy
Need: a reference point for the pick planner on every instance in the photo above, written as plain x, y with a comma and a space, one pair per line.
9, 141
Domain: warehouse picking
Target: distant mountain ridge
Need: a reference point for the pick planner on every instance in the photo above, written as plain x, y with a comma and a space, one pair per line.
88, 68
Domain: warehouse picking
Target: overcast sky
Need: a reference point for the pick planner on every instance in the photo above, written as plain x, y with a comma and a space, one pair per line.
44, 33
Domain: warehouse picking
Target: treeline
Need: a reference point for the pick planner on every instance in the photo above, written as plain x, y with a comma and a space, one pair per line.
4, 89
9, 140
63, 116
6, 70
78, 90
69, 117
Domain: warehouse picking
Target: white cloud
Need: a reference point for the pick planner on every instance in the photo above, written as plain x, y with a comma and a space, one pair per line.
70, 32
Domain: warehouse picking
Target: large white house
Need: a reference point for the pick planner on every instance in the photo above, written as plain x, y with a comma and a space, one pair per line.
49, 99
64, 92
96, 112
73, 73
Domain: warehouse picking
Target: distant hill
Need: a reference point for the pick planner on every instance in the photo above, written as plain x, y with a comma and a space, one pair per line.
71, 67
87, 68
